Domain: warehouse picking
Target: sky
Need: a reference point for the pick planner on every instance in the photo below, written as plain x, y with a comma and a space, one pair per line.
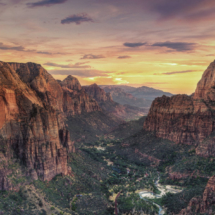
164, 44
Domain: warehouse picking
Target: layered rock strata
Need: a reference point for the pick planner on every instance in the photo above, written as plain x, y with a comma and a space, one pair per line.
30, 127
185, 119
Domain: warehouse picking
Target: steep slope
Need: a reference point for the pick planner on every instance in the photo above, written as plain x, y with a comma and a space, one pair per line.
121, 97
33, 110
75, 99
204, 204
182, 118
65, 97
107, 104
30, 130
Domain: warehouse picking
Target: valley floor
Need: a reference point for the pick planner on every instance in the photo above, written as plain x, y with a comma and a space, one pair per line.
111, 164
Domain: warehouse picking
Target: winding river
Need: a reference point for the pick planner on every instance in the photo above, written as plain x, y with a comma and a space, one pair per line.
146, 195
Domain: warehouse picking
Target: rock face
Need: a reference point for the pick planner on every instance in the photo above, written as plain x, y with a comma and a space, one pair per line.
30, 126
182, 118
71, 83
98, 94
206, 86
202, 205
33, 107
75, 99
65, 97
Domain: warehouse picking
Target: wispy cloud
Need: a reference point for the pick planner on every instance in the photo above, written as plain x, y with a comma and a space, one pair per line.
134, 45
178, 46
45, 3
81, 73
77, 19
16, 48
76, 65
44, 52
124, 57
176, 72
91, 56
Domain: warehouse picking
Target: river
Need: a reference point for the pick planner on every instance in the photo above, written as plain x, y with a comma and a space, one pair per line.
146, 195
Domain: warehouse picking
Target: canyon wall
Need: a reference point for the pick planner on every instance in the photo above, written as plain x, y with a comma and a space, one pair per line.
202, 204
30, 127
185, 119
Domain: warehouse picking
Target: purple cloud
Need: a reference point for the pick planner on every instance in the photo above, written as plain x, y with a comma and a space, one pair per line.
76, 65
81, 73
16, 48
178, 46
46, 3
134, 45
191, 10
77, 19
124, 57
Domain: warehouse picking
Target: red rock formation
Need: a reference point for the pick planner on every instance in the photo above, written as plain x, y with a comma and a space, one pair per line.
97, 93
64, 96
71, 83
30, 127
206, 86
182, 118
207, 147
75, 99
202, 205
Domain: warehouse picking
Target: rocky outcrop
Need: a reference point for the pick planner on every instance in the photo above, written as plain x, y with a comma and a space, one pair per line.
75, 99
182, 118
98, 93
207, 147
204, 204
206, 86
64, 96
31, 129
71, 83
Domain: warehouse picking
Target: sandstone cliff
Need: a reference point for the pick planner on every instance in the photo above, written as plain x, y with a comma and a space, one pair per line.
75, 99
30, 128
98, 94
182, 118
65, 97
204, 204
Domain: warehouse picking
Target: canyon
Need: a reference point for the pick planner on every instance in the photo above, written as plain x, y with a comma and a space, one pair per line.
182, 118
33, 109
51, 127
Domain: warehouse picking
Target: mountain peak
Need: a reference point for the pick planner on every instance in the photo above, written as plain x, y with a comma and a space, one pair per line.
71, 83
206, 86
97, 93
70, 77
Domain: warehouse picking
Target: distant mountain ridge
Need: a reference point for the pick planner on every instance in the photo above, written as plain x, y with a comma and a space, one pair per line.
141, 97
108, 104
140, 92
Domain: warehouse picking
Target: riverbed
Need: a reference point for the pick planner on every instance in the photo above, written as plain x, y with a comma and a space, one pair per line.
164, 189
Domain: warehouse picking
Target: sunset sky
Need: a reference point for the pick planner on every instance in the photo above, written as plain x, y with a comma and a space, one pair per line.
164, 44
